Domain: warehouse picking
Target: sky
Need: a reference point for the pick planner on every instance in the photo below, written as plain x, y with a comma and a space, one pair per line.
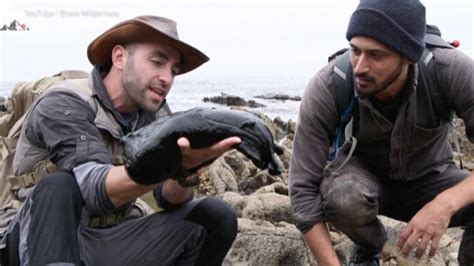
243, 38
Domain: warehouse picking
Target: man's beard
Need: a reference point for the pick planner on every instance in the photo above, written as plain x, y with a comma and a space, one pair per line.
389, 81
134, 87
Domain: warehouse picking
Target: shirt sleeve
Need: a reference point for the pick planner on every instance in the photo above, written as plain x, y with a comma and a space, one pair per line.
90, 178
63, 124
316, 123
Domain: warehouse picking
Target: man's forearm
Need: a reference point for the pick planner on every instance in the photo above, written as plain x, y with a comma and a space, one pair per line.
458, 196
321, 246
121, 189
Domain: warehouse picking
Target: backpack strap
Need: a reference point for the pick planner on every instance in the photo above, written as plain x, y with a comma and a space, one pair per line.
342, 79
441, 106
346, 100
29, 179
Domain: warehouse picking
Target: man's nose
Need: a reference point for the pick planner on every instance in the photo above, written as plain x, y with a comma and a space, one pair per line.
361, 65
166, 77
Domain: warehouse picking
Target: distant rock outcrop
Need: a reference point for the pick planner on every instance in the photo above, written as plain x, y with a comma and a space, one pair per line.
232, 100
280, 97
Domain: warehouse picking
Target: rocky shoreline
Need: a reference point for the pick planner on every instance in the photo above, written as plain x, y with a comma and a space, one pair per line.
234, 100
266, 233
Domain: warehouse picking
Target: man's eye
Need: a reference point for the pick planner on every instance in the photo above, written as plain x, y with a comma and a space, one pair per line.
175, 71
355, 51
377, 55
157, 62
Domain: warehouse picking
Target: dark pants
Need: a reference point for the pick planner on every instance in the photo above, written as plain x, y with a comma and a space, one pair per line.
54, 210
201, 233
353, 199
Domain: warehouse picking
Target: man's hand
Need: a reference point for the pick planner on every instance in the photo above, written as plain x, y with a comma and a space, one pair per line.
192, 180
425, 229
192, 158
430, 223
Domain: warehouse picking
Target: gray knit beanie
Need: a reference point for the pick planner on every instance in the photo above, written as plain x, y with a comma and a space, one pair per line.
399, 24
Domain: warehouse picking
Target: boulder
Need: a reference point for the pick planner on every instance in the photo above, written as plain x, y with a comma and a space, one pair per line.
277, 187
217, 179
270, 207
264, 243
251, 184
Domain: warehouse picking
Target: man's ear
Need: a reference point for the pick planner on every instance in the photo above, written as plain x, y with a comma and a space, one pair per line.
407, 61
119, 56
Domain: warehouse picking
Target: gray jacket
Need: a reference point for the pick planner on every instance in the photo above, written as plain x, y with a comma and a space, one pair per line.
410, 148
81, 133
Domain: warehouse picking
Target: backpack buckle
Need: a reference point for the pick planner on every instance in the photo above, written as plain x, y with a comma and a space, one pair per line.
105, 221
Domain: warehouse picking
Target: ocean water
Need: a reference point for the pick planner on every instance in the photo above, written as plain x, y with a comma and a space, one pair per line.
188, 93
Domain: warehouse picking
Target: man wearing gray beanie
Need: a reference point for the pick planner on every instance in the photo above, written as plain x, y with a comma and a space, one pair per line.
396, 160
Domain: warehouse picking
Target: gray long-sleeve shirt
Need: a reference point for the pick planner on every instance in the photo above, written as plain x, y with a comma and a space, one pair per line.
63, 124
407, 149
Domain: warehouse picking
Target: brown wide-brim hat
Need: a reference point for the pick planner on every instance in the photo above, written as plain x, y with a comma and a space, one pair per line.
144, 29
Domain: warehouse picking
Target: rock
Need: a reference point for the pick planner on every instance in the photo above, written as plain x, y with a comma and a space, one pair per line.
443, 255
241, 165
231, 100
287, 127
234, 172
217, 179
270, 207
276, 187
466, 147
254, 104
250, 185
264, 243
280, 97
446, 254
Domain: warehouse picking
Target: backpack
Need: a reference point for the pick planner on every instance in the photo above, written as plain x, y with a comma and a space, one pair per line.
17, 104
346, 100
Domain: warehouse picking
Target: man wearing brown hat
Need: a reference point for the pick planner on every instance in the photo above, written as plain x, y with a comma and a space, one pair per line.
397, 162
86, 212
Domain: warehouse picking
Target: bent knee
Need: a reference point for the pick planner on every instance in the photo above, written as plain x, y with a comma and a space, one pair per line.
217, 207
350, 204
217, 214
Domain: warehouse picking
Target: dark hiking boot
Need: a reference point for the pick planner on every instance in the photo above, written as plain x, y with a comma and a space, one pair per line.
364, 257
